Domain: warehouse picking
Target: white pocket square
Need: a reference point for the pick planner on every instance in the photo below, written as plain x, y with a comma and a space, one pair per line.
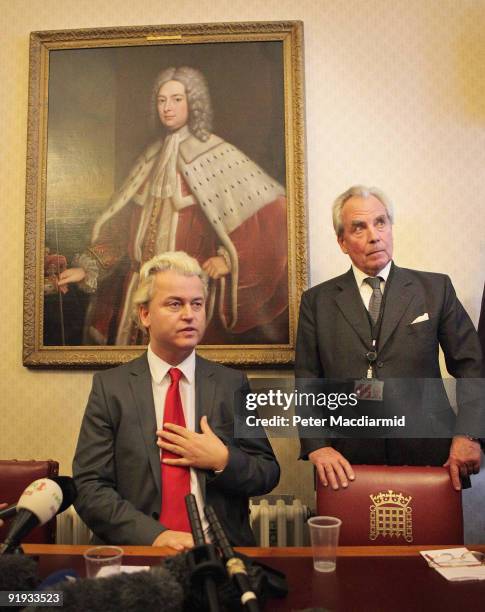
423, 317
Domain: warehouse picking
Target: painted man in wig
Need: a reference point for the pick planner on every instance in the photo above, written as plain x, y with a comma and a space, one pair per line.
194, 192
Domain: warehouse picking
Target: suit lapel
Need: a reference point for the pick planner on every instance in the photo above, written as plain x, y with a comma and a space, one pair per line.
350, 303
205, 389
398, 294
141, 385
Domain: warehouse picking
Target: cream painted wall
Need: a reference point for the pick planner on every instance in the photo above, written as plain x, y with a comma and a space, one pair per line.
395, 96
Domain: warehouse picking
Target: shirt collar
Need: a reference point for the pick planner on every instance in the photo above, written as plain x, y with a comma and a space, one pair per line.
159, 368
360, 276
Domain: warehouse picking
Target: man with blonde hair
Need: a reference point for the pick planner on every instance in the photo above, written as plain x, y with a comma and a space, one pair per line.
161, 426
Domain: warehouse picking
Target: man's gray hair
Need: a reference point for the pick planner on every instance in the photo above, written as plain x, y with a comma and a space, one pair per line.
360, 191
198, 98
178, 261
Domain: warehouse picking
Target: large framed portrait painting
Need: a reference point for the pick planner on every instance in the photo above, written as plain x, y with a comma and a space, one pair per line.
172, 138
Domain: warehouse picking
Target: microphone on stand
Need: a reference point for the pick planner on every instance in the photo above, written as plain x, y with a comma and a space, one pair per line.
205, 567
234, 565
40, 501
194, 520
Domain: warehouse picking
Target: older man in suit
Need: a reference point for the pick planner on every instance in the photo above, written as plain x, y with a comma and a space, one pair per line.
162, 426
380, 322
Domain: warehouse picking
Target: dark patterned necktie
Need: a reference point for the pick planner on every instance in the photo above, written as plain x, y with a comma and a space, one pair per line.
376, 297
175, 478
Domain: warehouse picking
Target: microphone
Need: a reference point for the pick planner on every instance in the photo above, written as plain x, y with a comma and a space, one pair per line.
69, 494
194, 520
40, 501
235, 566
204, 564
18, 573
151, 591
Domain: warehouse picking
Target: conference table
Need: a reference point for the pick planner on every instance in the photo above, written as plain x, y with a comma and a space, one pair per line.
367, 578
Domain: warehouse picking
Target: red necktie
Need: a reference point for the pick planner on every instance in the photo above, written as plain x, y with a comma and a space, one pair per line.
175, 479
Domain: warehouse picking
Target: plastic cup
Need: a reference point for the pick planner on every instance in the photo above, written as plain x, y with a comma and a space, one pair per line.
324, 533
103, 561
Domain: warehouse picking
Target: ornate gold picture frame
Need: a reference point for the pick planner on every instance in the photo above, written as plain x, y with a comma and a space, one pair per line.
115, 175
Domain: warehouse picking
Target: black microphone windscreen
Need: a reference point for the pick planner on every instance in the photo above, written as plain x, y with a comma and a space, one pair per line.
229, 598
177, 565
17, 573
146, 591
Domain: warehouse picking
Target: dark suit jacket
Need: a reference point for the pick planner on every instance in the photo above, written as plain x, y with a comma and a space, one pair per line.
334, 334
117, 462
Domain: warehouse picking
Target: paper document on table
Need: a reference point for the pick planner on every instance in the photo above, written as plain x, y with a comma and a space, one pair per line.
455, 564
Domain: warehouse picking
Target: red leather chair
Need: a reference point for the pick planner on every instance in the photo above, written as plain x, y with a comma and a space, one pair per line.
394, 506
15, 476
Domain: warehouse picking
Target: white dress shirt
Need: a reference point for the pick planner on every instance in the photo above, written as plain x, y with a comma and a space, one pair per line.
160, 384
365, 289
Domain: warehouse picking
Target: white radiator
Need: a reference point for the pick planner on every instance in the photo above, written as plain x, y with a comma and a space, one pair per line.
278, 522
71, 529
275, 522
